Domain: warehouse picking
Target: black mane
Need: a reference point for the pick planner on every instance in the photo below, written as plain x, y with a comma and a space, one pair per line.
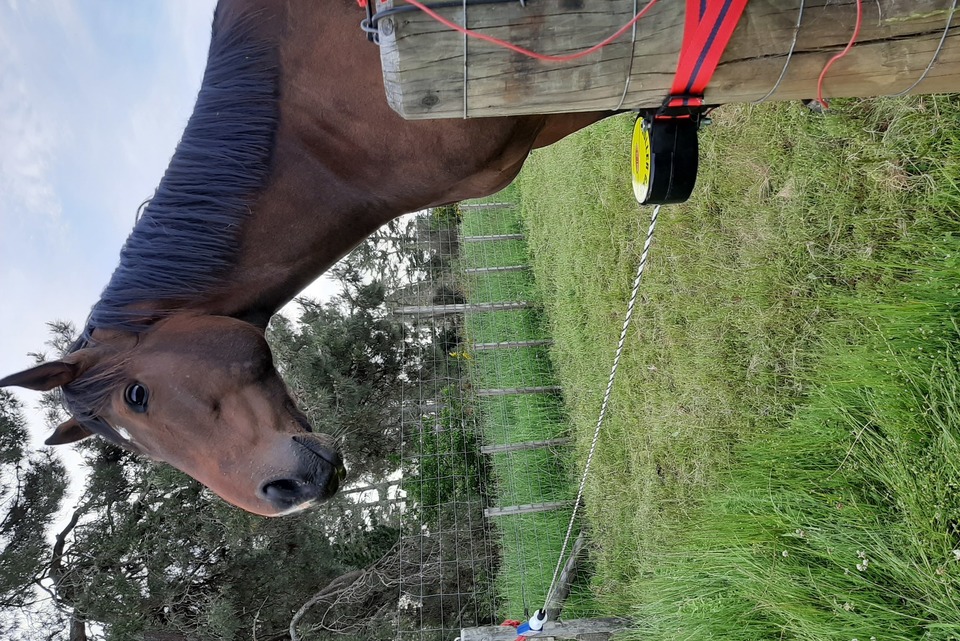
187, 236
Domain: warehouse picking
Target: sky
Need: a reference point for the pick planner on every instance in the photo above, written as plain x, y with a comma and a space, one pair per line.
94, 95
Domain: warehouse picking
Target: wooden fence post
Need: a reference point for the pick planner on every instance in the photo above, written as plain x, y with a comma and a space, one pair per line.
458, 308
565, 580
527, 508
484, 239
496, 270
433, 72
482, 206
486, 347
510, 391
527, 445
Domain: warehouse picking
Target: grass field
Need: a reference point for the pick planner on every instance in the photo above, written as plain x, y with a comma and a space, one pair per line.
781, 459
530, 543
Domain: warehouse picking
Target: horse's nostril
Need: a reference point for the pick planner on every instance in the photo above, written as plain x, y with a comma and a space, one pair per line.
289, 492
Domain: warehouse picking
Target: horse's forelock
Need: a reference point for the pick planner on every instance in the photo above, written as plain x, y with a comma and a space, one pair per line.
86, 397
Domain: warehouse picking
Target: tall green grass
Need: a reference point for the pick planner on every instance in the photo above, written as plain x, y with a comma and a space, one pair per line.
843, 523
781, 456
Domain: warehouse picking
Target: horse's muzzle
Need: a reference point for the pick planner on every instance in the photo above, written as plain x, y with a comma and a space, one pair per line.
320, 475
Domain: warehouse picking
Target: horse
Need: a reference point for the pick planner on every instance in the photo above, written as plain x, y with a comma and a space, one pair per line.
290, 158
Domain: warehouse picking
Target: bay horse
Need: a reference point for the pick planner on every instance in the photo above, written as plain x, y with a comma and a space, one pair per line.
290, 158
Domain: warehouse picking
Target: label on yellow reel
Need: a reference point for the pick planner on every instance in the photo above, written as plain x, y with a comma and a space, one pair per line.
641, 161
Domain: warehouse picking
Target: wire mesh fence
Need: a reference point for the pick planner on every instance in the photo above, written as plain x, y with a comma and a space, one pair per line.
486, 454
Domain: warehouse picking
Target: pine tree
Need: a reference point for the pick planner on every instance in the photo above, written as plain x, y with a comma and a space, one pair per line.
32, 487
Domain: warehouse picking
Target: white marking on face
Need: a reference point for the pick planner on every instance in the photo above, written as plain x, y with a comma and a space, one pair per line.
296, 508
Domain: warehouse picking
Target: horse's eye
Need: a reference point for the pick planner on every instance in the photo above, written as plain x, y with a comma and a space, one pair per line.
136, 397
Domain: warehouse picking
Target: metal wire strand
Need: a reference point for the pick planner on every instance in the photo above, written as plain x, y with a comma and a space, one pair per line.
465, 70
606, 401
936, 54
633, 47
786, 63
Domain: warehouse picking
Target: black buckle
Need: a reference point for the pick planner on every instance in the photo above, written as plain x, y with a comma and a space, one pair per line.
368, 25
677, 106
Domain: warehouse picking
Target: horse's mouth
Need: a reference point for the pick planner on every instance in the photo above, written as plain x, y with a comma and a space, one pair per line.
325, 448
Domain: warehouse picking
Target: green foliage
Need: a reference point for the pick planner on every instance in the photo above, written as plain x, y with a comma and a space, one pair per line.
170, 556
448, 468
222, 619
13, 433
346, 364
152, 551
445, 216
390, 255
530, 544
31, 490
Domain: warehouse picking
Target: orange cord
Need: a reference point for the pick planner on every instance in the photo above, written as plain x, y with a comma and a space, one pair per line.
846, 50
526, 52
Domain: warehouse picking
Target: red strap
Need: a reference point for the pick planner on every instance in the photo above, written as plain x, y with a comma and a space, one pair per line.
707, 30
511, 623
695, 11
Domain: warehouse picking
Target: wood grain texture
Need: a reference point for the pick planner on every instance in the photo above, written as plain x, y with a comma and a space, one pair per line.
431, 71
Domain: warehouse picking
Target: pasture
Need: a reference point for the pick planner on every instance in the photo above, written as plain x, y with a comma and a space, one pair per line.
781, 455
530, 543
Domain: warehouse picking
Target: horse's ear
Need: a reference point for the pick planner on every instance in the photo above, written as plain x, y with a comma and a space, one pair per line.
70, 431
43, 377
46, 376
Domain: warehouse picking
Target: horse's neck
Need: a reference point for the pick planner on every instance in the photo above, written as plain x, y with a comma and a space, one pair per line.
344, 163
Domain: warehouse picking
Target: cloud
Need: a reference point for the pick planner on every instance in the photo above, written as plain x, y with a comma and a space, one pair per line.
28, 198
26, 191
93, 98
92, 102
194, 40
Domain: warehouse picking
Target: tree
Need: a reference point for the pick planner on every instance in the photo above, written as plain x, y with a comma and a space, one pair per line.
390, 255
150, 554
169, 558
31, 491
403, 590
346, 363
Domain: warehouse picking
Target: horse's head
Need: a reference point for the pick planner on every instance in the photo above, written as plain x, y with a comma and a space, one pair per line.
200, 393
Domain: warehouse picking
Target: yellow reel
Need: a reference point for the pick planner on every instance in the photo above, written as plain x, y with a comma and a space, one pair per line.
664, 159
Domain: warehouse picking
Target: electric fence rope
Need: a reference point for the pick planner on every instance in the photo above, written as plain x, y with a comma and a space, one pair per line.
605, 403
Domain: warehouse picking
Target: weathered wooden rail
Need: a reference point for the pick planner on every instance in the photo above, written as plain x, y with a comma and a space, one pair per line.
431, 71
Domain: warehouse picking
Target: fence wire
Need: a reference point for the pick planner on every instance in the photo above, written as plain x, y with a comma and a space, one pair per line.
488, 476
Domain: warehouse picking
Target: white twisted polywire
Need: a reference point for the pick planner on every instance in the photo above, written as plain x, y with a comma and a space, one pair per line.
606, 400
